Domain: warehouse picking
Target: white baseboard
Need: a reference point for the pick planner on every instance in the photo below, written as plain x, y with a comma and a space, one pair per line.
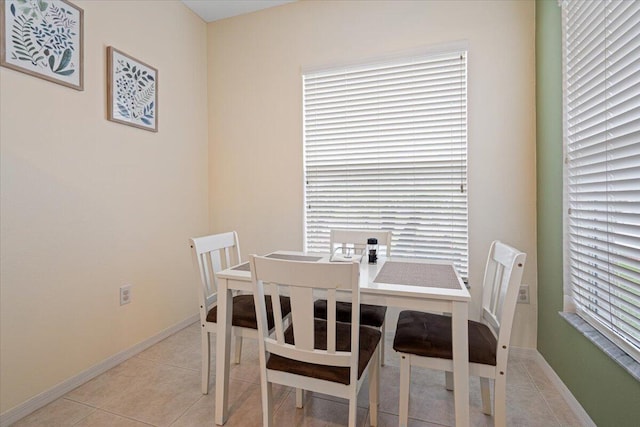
14, 414
578, 410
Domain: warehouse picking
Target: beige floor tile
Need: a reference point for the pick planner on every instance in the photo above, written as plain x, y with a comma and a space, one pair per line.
390, 420
135, 368
560, 408
245, 406
518, 376
104, 419
106, 387
316, 412
537, 375
181, 349
61, 412
527, 408
249, 367
201, 414
563, 412
423, 381
163, 397
431, 402
246, 411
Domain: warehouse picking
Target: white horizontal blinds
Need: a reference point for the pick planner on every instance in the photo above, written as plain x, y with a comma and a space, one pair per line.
386, 148
603, 165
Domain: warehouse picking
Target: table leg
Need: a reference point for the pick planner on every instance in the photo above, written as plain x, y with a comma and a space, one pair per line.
223, 350
460, 331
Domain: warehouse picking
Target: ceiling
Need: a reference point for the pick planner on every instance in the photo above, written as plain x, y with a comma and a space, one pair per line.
213, 10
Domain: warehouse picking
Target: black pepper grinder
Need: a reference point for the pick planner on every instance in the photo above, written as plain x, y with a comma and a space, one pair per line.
372, 248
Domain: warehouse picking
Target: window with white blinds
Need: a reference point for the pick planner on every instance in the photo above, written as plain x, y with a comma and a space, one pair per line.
385, 147
602, 173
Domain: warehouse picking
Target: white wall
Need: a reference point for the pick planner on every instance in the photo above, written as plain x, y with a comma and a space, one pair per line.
88, 205
255, 117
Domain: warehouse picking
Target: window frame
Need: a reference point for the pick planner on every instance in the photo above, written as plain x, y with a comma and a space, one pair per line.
433, 51
609, 341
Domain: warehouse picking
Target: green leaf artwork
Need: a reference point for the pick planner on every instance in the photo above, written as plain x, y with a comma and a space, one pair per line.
43, 38
133, 92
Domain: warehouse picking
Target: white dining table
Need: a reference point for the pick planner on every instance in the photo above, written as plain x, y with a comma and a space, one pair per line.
393, 287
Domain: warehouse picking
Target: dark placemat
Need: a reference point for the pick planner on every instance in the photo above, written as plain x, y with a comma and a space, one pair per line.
418, 274
246, 267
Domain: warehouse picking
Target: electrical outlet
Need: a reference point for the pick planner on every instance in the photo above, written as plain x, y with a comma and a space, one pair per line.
125, 294
523, 295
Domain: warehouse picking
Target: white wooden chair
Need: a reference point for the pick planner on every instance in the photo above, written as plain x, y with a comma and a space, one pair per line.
210, 255
324, 356
356, 240
424, 339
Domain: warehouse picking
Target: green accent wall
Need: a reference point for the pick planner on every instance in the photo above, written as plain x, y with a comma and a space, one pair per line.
606, 391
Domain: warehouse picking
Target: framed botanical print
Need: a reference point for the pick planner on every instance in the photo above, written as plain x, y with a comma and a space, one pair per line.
43, 39
132, 91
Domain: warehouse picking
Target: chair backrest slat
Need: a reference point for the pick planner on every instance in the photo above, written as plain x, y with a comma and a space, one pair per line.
490, 319
495, 286
277, 313
301, 306
503, 275
331, 320
302, 282
357, 239
211, 265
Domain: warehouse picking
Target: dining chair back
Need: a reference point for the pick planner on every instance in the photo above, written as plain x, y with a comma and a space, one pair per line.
212, 254
424, 339
313, 354
500, 288
357, 239
370, 315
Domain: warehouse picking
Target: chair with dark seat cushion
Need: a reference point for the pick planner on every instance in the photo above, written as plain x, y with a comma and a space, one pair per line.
369, 339
244, 312
356, 241
325, 356
210, 255
429, 335
424, 339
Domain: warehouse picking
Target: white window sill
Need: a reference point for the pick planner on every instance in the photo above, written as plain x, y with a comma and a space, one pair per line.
604, 344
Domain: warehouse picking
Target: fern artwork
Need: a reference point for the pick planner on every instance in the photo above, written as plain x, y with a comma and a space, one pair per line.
43, 38
132, 91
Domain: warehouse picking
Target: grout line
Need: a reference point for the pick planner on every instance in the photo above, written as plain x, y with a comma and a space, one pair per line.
88, 415
127, 417
282, 402
541, 393
78, 402
564, 392
166, 364
435, 423
187, 410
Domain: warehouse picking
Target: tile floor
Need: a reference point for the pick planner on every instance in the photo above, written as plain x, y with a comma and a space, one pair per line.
161, 387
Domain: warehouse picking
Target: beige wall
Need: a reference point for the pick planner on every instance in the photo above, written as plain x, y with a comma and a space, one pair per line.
255, 118
88, 205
